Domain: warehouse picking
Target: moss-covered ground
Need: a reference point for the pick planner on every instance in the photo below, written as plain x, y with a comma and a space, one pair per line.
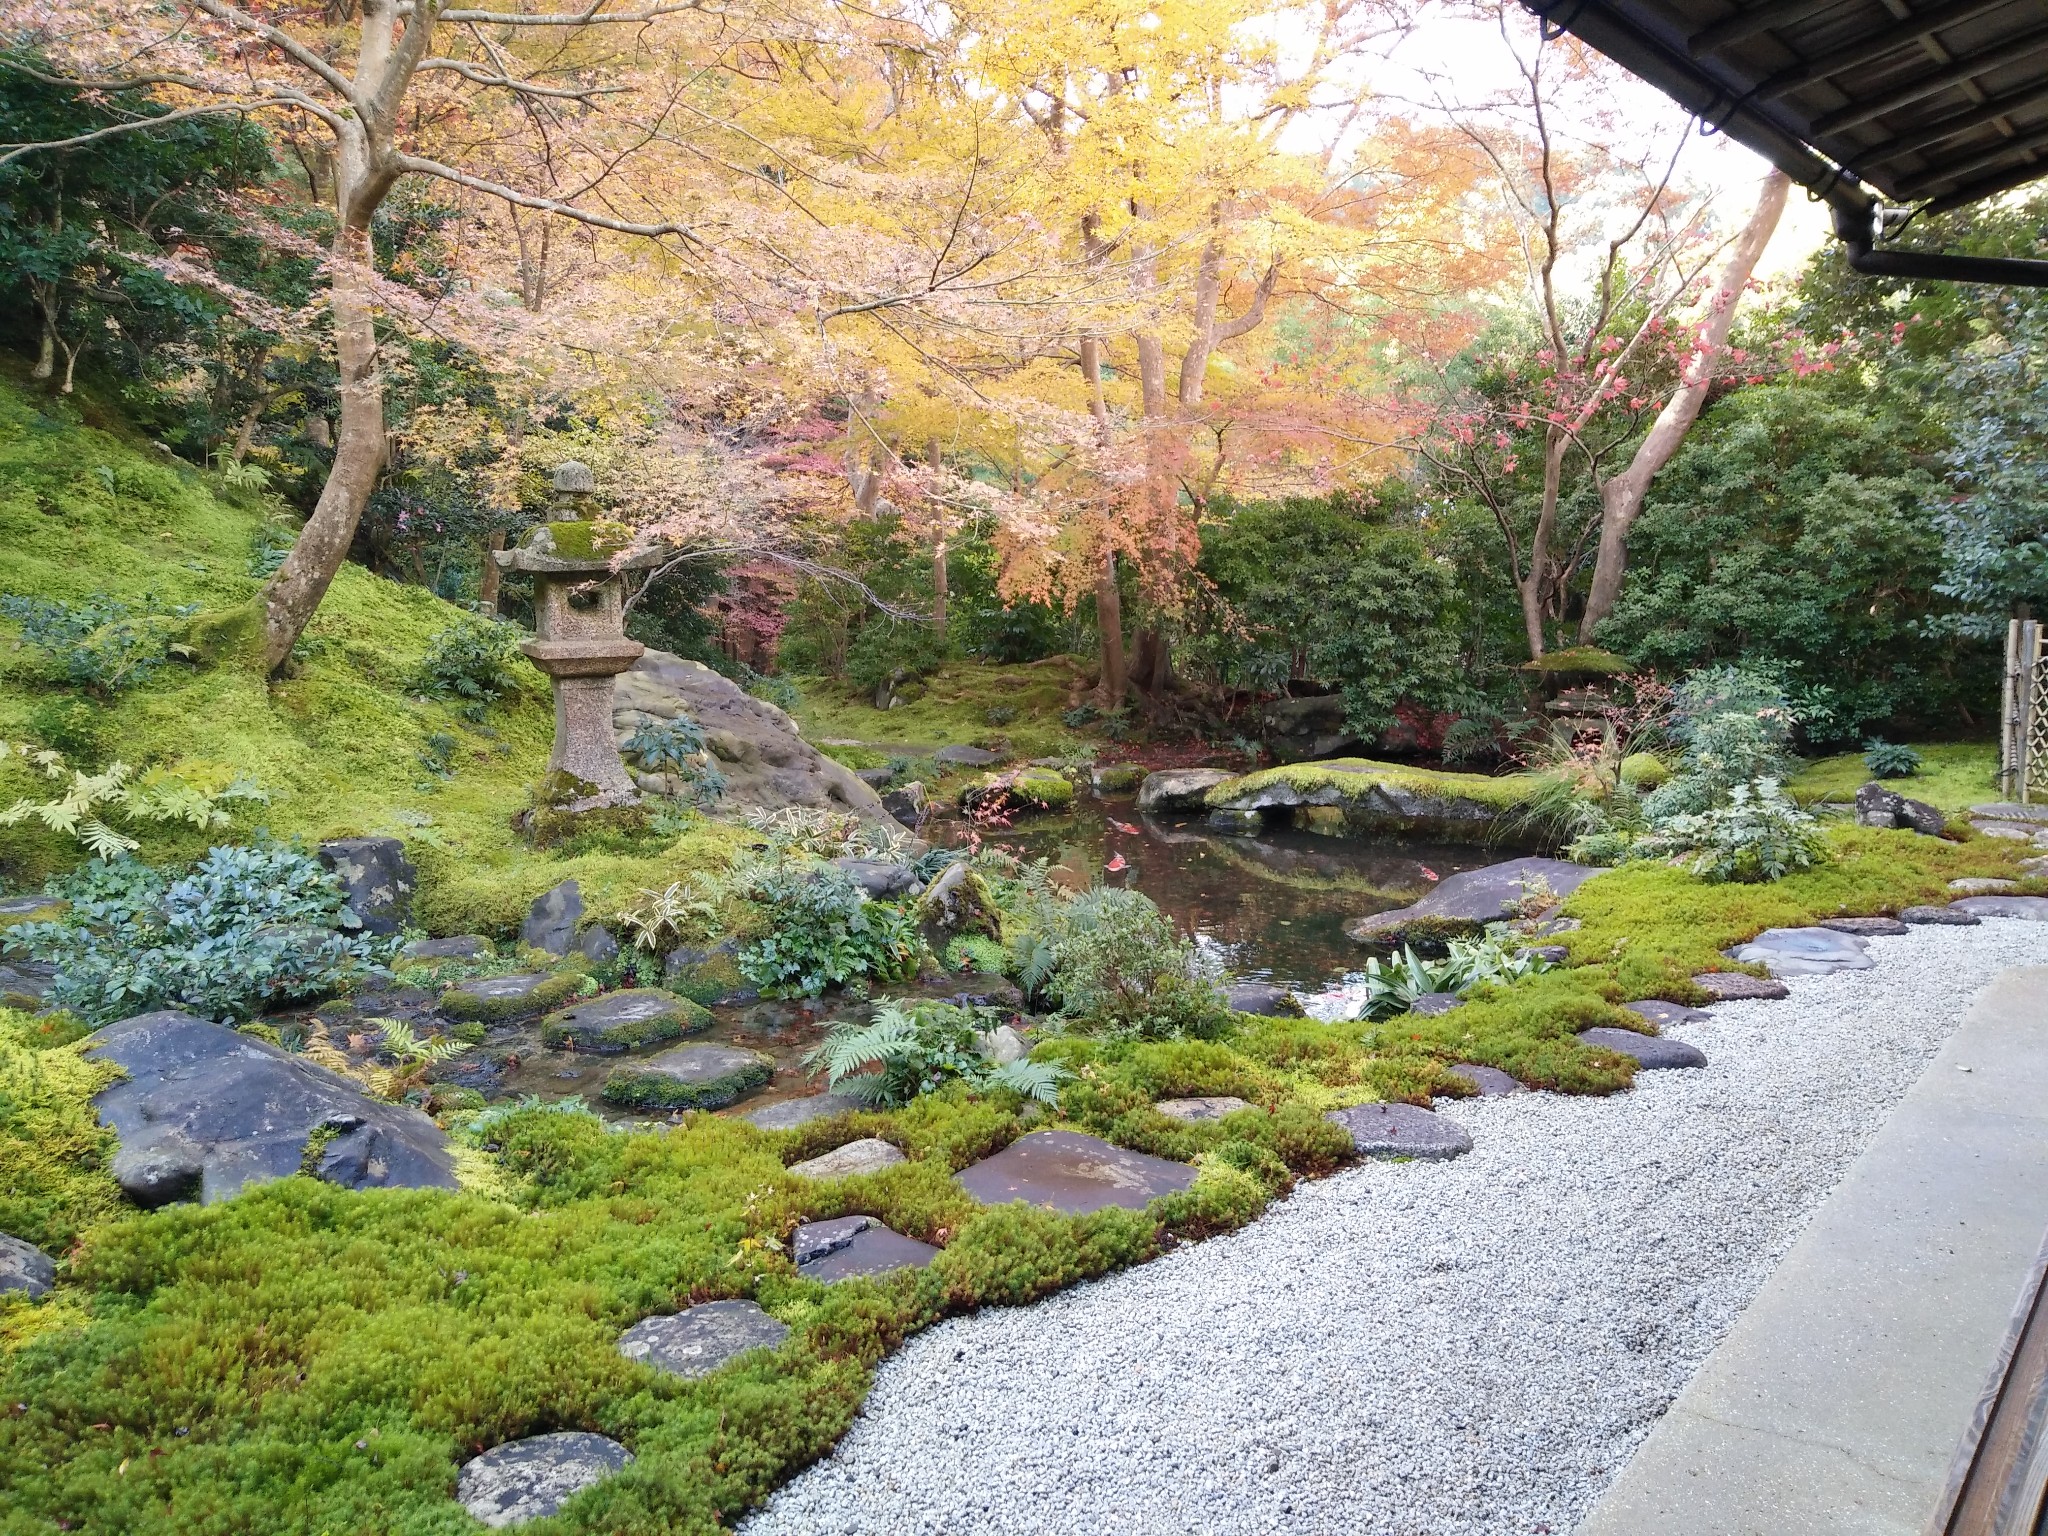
1014, 710
1354, 778
1953, 777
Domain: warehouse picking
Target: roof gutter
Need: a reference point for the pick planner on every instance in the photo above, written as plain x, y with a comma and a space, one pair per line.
1934, 266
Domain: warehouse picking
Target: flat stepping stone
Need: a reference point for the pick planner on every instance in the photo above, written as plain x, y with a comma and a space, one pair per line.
2035, 867
870, 1154
1074, 1173
788, 1114
2008, 810
464, 946
1735, 986
621, 1021
1401, 1130
2028, 908
698, 1341
496, 999
1663, 1014
1431, 1004
689, 1077
1209, 1107
523, 1480
1491, 1082
1261, 998
1939, 917
1864, 927
848, 1247
1653, 1053
1804, 952
966, 757
2011, 831
1468, 901
25, 1268
1982, 885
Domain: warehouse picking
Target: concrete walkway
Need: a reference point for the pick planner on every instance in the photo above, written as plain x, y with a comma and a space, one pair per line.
1837, 1402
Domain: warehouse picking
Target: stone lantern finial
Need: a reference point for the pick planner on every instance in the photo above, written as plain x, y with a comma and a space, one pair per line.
573, 485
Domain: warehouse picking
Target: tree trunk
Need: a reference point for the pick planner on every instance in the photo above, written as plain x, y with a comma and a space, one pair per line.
1621, 498
488, 583
1109, 625
46, 350
933, 457
1532, 587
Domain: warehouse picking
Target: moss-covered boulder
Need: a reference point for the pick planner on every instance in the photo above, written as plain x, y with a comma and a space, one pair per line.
1375, 799
1644, 771
689, 1077
499, 999
30, 909
622, 1021
1119, 779
1028, 789
708, 976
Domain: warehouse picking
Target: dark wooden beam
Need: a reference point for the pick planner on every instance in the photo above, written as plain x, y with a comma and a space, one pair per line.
1996, 1480
1949, 127
1913, 30
1948, 173
1920, 87
1746, 24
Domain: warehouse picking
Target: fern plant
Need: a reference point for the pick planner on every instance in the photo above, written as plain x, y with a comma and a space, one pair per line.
902, 1052
160, 796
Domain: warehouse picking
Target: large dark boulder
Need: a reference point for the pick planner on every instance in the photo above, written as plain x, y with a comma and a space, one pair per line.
25, 1268
551, 921
246, 1111
1179, 789
1466, 903
378, 877
1297, 729
1880, 806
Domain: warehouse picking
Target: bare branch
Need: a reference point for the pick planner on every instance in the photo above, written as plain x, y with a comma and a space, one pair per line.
284, 43
213, 109
420, 166
591, 17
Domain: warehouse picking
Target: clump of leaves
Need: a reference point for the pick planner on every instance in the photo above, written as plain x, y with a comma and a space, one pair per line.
687, 909
1760, 834
823, 931
160, 797
678, 747
410, 1055
902, 1052
820, 834
470, 661
1118, 963
1889, 759
101, 642
1392, 987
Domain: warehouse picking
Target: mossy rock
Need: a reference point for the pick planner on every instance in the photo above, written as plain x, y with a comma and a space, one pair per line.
1119, 778
1578, 661
1035, 789
621, 1021
30, 909
498, 999
1374, 799
709, 979
689, 1077
1644, 770
598, 539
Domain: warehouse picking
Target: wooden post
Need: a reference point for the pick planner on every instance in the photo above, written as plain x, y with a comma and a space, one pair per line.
2009, 765
2030, 691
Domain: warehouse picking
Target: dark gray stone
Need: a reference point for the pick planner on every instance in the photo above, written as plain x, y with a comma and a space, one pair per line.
523, 1480
551, 921
1235, 823
1880, 806
1466, 903
2030, 908
1864, 927
2010, 831
689, 1077
1556, 954
907, 806
966, 757
1432, 1004
878, 877
247, 1110
1072, 1172
597, 945
2011, 810
1490, 1081
1209, 1107
26, 984
1735, 986
1982, 885
875, 778
622, 1021
464, 946
25, 1268
31, 906
788, 1114
1804, 952
154, 1175
1664, 1015
698, 1341
378, 878
1263, 999
1178, 789
1401, 1130
1652, 1052
1939, 917
851, 1246
500, 999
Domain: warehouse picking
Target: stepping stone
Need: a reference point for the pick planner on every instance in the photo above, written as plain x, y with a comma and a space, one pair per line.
698, 1341
1652, 1052
689, 1077
870, 1154
1939, 917
25, 1268
1980, 885
1073, 1173
1401, 1130
1663, 1014
620, 1021
1804, 952
1467, 902
523, 1480
1491, 1082
966, 757
788, 1114
1863, 927
1431, 1004
1734, 986
1263, 999
464, 946
851, 1246
498, 999
1212, 1107
2035, 867
2007, 810
2030, 908
2011, 831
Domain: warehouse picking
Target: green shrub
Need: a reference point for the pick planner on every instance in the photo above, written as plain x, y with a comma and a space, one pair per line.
100, 643
1760, 834
1468, 963
903, 1052
1644, 771
470, 661
1118, 962
824, 932
1889, 760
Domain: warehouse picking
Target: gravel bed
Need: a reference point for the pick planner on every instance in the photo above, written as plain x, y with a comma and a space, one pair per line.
1414, 1349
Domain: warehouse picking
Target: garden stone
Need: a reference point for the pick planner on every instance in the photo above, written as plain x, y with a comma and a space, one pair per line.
955, 902
1263, 999
378, 880
1653, 1053
2010, 831
2008, 810
870, 1154
788, 1114
1117, 779
1982, 885
247, 1110
1002, 1045
1879, 806
966, 757
698, 1341
689, 1077
1556, 954
709, 976
1491, 1082
1208, 1107
2035, 867
464, 946
172, 1169
25, 1268
501, 999
851, 1246
1433, 1004
877, 877
1179, 789
1664, 1015
524, 1480
1235, 823
24, 909
622, 1021
875, 778
1737, 986
1401, 1130
551, 921
2030, 908
26, 985
1939, 917
1804, 952
1074, 1173
598, 946
907, 806
1465, 903
1864, 927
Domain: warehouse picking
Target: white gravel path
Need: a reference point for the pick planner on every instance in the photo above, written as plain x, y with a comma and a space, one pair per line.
1414, 1349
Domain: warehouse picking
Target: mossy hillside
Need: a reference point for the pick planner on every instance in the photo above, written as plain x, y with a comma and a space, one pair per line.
1953, 777
954, 709
342, 747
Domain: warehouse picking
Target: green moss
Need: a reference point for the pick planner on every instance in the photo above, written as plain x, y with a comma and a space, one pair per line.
1119, 778
1421, 800
1644, 770
708, 981
678, 1017
53, 1150
462, 1002
1578, 661
1030, 789
1953, 777
953, 710
598, 539
637, 1089
45, 912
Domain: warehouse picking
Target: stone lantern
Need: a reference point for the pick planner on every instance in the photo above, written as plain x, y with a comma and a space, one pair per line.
580, 630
